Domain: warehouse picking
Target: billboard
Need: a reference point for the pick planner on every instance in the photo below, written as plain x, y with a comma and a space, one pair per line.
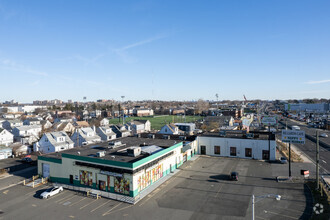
293, 136
268, 120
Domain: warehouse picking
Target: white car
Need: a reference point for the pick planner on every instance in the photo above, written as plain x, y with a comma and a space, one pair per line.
51, 191
323, 135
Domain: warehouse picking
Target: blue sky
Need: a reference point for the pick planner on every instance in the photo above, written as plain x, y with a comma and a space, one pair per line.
164, 50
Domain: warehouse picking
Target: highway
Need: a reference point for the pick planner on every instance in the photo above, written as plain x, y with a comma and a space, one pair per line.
309, 148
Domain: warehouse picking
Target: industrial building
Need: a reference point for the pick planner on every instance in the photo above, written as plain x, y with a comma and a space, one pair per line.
124, 167
257, 145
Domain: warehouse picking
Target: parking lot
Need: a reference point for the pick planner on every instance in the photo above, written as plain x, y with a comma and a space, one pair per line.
200, 190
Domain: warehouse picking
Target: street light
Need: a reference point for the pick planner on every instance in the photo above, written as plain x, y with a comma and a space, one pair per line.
277, 197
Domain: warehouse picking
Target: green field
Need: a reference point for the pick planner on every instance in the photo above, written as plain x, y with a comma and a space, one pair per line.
159, 121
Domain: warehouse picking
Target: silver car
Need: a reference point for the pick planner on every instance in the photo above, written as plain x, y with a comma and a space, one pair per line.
51, 191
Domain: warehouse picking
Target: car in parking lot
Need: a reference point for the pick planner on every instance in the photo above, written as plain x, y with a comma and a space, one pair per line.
51, 192
234, 176
323, 135
283, 160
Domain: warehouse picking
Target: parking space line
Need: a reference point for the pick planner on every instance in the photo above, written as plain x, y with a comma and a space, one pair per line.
106, 213
121, 209
101, 205
281, 215
260, 218
78, 201
68, 199
33, 192
63, 198
155, 192
88, 204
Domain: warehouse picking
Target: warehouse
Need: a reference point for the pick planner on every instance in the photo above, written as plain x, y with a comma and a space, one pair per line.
238, 144
124, 167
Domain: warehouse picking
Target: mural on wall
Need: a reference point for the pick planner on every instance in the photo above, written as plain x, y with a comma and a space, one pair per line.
121, 185
153, 174
86, 178
102, 185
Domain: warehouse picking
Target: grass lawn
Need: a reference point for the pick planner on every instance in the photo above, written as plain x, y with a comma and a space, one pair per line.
159, 121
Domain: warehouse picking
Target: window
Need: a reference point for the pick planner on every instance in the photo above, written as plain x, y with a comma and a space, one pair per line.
248, 152
232, 151
165, 129
216, 149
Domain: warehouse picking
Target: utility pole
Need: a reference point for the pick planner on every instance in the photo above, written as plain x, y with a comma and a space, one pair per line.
253, 207
290, 159
317, 161
122, 97
269, 142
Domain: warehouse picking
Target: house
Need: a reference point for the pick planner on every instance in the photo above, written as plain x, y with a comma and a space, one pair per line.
6, 138
187, 128
81, 124
5, 152
45, 124
106, 133
63, 126
20, 149
53, 142
31, 121
170, 129
56, 120
104, 122
27, 134
120, 130
140, 126
84, 136
143, 112
10, 124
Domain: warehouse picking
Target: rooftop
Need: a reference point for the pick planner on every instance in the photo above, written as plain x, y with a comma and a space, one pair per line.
239, 135
118, 153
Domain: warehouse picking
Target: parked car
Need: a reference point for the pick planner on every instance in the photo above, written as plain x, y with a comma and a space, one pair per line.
323, 135
27, 160
51, 192
234, 176
283, 160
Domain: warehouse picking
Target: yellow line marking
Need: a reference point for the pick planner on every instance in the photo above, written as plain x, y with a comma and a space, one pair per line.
101, 205
106, 213
281, 215
5, 192
88, 204
34, 205
68, 199
78, 201
63, 198
71, 216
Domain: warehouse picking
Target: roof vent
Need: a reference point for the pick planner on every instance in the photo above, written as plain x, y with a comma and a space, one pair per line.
100, 154
134, 151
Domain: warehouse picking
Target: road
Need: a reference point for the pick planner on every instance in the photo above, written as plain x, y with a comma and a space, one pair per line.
309, 148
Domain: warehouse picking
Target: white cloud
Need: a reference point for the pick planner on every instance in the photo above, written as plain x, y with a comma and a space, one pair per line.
13, 66
318, 82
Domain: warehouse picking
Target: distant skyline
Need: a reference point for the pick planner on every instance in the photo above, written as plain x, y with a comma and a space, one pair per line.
164, 50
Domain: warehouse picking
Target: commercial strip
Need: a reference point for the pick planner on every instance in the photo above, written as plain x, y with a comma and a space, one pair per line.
125, 167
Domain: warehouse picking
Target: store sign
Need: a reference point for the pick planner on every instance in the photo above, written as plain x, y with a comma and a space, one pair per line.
110, 173
295, 137
268, 120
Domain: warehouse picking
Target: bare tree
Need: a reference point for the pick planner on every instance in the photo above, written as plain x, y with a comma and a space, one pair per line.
202, 106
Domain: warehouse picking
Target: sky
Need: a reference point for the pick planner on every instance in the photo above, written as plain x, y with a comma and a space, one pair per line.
164, 50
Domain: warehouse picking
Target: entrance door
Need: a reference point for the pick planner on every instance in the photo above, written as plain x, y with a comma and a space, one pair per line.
265, 155
203, 150
45, 170
71, 179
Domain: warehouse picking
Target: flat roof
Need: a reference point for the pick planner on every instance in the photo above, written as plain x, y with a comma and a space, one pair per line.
239, 135
118, 153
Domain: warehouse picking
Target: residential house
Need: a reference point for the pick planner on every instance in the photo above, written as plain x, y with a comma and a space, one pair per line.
27, 134
53, 142
187, 128
20, 149
5, 152
63, 126
56, 120
84, 136
10, 124
104, 122
6, 138
45, 124
120, 130
81, 124
143, 112
140, 126
170, 129
106, 133
31, 121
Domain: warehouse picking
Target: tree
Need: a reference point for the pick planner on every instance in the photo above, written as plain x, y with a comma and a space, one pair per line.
202, 106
